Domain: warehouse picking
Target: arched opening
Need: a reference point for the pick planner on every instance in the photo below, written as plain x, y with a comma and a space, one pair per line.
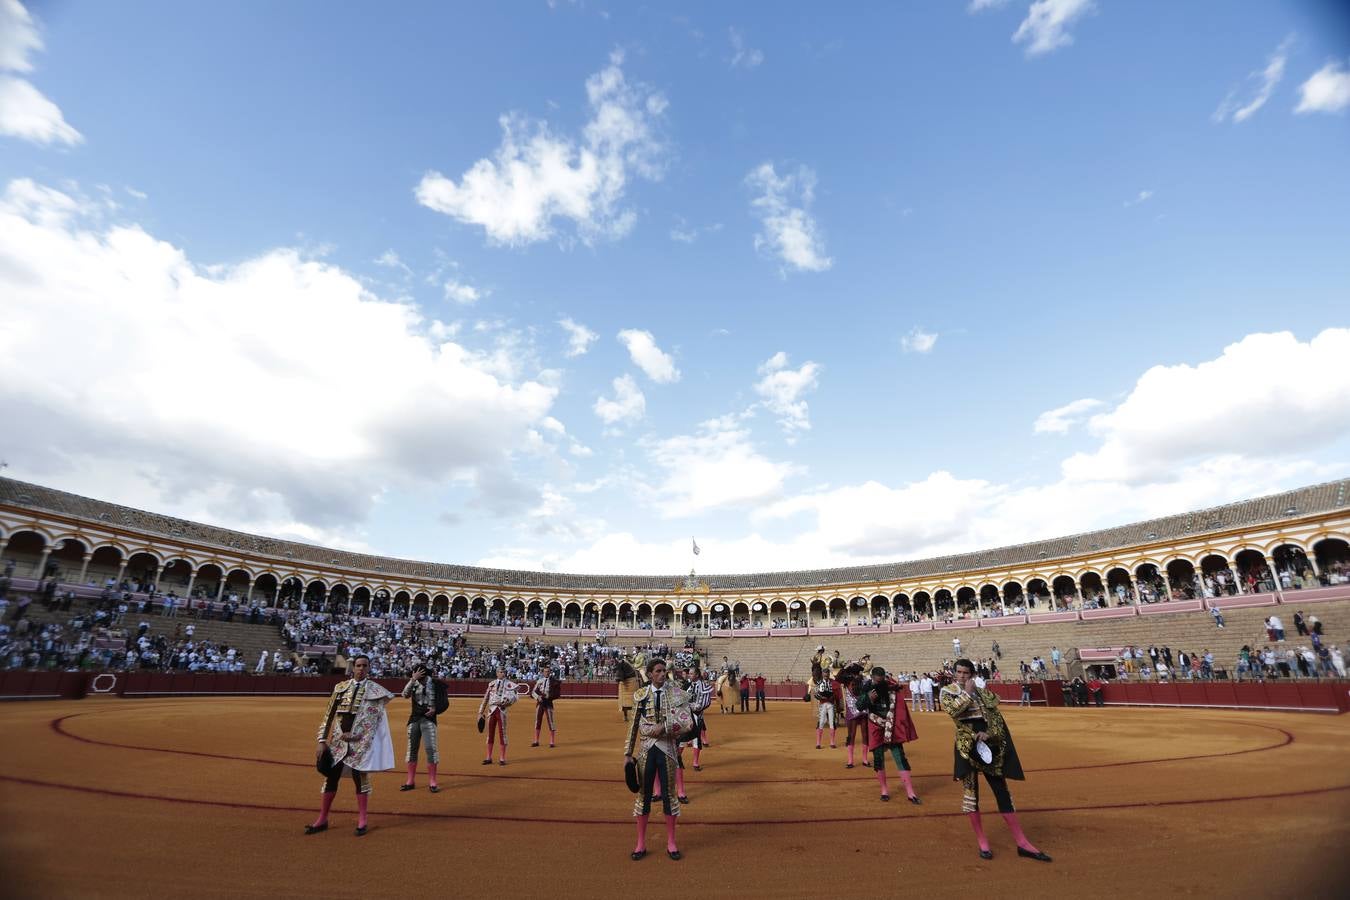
966, 606
175, 577
1119, 587
740, 615
237, 584
267, 588
778, 614
609, 613
944, 605
1151, 584
590, 615
838, 611
627, 616
104, 565
857, 606
515, 613
478, 611
1181, 579
1254, 575
316, 595
1333, 560
902, 608
67, 559
1065, 591
208, 581
25, 549
534, 614
360, 601
292, 592
421, 605
459, 609
1217, 576
1292, 567
644, 615
797, 614
923, 606
662, 615
497, 611
881, 609
819, 613
1093, 590
1038, 594
1013, 599
339, 598
553, 614
381, 602
572, 615
991, 600
440, 606
691, 616
759, 610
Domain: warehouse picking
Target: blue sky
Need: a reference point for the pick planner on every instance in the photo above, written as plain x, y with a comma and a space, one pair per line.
301, 270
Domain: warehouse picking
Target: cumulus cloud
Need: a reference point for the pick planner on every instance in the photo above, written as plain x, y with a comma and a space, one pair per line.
1046, 26
1234, 109
579, 337
461, 292
787, 229
277, 394
977, 6
715, 468
536, 177
658, 365
781, 389
25, 112
743, 57
918, 341
1328, 90
1263, 395
1061, 419
628, 404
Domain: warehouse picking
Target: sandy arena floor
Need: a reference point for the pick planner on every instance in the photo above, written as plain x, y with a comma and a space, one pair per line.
208, 797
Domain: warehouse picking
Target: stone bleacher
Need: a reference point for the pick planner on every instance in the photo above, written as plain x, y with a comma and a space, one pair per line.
788, 658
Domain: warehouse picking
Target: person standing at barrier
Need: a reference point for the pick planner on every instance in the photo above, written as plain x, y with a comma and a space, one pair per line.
759, 693
500, 694
661, 714
354, 738
984, 746
430, 697
546, 689
926, 691
889, 727
745, 693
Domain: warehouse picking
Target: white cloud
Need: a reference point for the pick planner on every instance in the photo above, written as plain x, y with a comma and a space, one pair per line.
782, 389
658, 365
685, 233
25, 112
1139, 198
579, 337
743, 57
1046, 26
1264, 396
918, 341
1233, 109
390, 260
628, 404
977, 6
716, 468
783, 208
1328, 90
536, 176
189, 388
461, 292
1061, 419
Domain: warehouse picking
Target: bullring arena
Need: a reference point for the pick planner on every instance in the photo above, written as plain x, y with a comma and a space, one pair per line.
134, 776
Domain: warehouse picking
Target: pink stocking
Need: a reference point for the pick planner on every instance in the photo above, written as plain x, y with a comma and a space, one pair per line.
850, 754
362, 801
819, 732
1018, 835
431, 773
881, 777
679, 782
833, 744
698, 752
670, 834
979, 831
641, 835
324, 807
412, 773
909, 783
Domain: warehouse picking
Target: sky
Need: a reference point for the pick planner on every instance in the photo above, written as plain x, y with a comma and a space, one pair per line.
568, 286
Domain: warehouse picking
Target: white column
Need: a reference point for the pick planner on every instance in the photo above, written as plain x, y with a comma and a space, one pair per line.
84, 567
42, 562
220, 588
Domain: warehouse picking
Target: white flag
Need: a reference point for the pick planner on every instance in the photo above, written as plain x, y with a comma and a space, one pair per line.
696, 550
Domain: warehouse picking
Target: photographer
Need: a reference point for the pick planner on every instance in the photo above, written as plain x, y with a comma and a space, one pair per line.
429, 699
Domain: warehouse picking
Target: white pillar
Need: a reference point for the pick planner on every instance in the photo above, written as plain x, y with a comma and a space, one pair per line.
84, 567
42, 562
